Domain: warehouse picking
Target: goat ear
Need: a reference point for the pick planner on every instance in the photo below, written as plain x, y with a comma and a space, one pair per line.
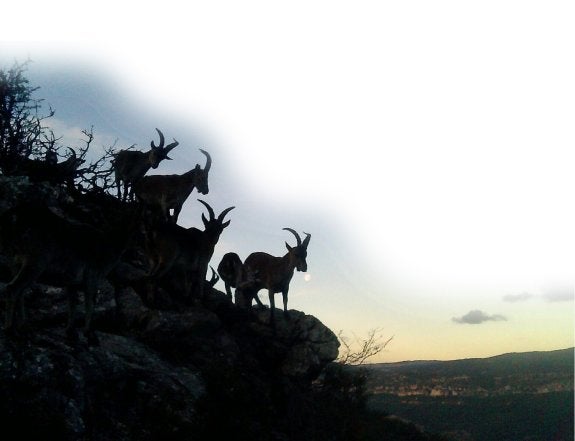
225, 224
288, 247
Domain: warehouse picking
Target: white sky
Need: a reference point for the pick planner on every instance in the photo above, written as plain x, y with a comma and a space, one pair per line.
427, 146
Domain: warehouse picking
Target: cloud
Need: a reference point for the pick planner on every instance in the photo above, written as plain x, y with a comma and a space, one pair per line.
477, 317
517, 297
74, 137
559, 294
551, 294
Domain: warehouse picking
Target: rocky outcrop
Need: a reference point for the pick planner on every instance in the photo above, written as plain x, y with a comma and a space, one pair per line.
156, 372
165, 370
306, 345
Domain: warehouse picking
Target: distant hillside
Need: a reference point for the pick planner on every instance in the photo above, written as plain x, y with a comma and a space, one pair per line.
511, 397
561, 359
530, 372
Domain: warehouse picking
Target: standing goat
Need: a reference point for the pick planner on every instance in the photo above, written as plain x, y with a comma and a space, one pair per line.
166, 192
232, 272
130, 165
275, 273
185, 253
80, 255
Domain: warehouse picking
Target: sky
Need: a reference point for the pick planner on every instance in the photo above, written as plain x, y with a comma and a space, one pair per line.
427, 147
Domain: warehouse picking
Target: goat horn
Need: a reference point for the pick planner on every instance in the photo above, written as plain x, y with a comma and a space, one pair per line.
161, 140
208, 160
171, 146
214, 278
223, 213
295, 234
210, 210
306, 240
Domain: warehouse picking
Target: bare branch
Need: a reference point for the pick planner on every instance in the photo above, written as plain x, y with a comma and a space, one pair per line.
372, 345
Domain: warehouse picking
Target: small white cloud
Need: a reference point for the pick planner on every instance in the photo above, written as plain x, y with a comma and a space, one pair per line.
517, 297
559, 294
477, 317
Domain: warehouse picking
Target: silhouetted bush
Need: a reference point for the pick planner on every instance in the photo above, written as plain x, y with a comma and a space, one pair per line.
29, 147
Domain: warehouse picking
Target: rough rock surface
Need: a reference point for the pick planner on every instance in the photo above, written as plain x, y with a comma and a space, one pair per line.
117, 390
156, 374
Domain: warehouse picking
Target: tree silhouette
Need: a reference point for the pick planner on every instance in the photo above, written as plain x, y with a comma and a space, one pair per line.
22, 130
27, 144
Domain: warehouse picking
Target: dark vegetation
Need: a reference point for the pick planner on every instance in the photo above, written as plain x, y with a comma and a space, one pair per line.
163, 355
502, 418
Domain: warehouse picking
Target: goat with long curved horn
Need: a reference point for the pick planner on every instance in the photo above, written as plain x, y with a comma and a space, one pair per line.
161, 150
130, 166
275, 273
169, 192
173, 250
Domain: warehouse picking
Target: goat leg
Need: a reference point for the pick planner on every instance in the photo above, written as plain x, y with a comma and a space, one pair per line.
272, 307
285, 301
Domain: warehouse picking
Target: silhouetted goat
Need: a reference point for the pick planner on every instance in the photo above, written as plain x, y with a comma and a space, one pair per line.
183, 253
166, 192
275, 273
130, 165
232, 272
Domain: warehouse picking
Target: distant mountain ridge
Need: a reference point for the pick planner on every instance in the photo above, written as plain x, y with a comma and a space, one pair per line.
560, 358
508, 397
528, 354
524, 372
